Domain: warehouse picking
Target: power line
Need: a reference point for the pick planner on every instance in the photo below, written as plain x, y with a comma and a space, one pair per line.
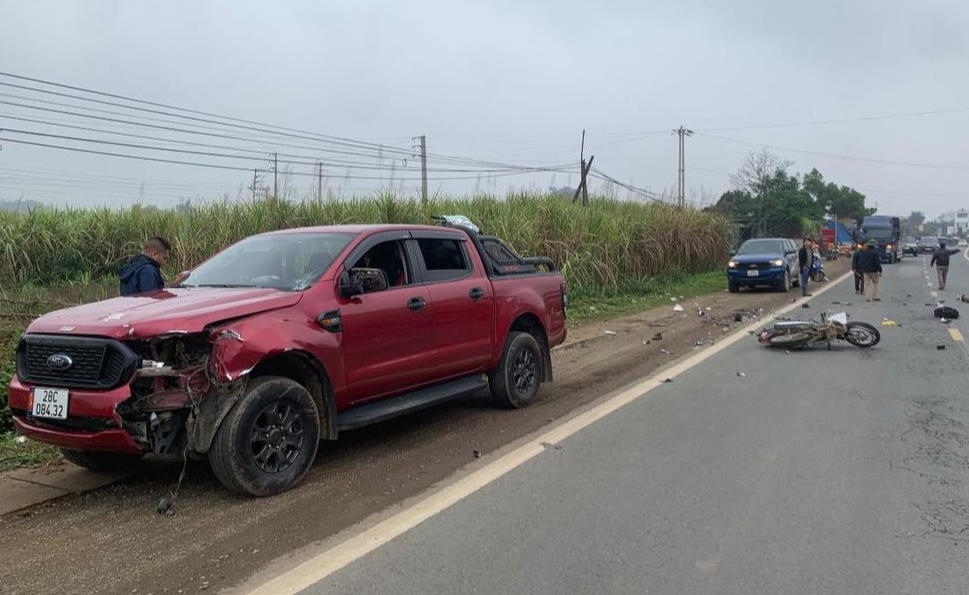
246, 169
232, 122
839, 120
833, 155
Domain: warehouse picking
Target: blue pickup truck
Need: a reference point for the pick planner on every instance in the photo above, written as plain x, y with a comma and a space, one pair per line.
765, 261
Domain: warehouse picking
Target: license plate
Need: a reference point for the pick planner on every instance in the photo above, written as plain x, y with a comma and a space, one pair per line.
753, 273
50, 402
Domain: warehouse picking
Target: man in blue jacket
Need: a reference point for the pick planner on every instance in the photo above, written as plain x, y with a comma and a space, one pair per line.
142, 274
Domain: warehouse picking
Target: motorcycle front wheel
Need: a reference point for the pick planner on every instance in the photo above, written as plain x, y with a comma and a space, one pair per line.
862, 334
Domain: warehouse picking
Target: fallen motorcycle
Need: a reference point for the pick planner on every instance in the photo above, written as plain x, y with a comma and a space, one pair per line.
806, 333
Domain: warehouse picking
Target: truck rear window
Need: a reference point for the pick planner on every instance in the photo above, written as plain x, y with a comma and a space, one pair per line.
444, 259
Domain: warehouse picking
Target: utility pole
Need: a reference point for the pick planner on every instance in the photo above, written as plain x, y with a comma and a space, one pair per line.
424, 169
319, 183
255, 182
275, 175
681, 182
584, 168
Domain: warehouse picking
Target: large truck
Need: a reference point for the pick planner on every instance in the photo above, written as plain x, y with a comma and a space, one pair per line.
887, 231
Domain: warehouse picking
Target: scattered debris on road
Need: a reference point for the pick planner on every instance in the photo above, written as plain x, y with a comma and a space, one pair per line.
888, 322
476, 454
665, 352
611, 333
658, 337
677, 308
805, 305
741, 374
946, 313
668, 381
940, 347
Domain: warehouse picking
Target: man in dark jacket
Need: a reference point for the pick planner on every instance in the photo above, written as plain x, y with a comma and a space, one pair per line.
871, 266
142, 274
940, 260
805, 258
859, 275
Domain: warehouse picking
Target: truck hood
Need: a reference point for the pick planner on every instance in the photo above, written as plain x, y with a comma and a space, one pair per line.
766, 257
171, 311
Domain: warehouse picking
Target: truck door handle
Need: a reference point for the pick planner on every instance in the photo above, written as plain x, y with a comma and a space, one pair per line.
476, 294
416, 304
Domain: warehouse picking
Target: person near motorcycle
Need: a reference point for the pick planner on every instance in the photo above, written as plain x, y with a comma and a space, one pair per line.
940, 260
870, 264
805, 258
859, 275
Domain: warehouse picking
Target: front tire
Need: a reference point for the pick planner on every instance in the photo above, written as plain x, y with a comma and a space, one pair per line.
785, 285
862, 334
515, 382
267, 442
101, 461
732, 287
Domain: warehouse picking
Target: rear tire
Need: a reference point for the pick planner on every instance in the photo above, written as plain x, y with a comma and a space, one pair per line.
268, 441
732, 287
862, 334
101, 461
795, 339
515, 382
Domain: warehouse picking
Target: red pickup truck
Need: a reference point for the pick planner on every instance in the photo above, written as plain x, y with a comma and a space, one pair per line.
287, 338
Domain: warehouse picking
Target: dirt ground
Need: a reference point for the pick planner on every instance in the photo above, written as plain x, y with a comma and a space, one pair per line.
112, 540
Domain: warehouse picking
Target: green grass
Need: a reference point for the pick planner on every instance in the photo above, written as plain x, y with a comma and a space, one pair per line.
590, 306
16, 453
611, 244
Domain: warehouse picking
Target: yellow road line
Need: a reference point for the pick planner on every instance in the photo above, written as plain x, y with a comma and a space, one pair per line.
956, 335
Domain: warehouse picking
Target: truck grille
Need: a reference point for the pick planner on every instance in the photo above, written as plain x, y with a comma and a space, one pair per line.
750, 266
94, 362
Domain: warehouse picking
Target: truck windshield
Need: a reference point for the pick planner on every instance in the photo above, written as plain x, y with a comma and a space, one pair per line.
285, 261
930, 240
879, 233
761, 247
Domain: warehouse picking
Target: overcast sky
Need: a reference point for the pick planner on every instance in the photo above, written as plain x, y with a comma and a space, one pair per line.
514, 82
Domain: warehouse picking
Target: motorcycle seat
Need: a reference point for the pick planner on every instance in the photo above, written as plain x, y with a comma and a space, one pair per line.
793, 324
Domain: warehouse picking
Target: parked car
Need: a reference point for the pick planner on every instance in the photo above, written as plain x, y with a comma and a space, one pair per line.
287, 338
767, 261
911, 246
929, 244
963, 242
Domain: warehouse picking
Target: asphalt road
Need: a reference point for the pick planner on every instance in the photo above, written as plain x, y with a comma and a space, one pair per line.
111, 540
842, 471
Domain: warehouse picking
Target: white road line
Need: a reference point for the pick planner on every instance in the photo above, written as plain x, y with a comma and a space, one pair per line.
332, 555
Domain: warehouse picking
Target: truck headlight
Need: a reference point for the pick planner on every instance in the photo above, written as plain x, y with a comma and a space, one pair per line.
778, 263
888, 247
732, 264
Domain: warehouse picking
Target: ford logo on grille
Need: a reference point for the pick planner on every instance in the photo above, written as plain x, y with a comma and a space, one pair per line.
59, 362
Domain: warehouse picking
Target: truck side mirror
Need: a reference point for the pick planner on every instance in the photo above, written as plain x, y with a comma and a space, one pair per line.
732, 252
349, 289
360, 280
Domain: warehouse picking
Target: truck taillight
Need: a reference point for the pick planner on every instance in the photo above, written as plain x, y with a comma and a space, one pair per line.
565, 298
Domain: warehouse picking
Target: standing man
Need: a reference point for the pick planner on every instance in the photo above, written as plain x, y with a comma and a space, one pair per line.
870, 264
859, 276
805, 258
940, 259
142, 273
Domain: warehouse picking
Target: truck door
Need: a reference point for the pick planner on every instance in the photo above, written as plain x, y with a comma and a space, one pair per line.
463, 302
388, 335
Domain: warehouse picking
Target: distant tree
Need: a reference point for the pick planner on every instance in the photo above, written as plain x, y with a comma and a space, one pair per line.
915, 219
757, 171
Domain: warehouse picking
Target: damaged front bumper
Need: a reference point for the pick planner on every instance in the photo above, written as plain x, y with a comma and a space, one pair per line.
92, 422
